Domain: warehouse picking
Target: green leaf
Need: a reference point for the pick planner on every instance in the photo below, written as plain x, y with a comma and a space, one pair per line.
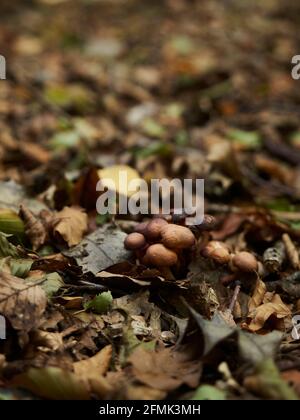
208, 392
268, 383
152, 128
281, 204
182, 44
17, 267
66, 96
182, 138
53, 383
100, 304
10, 222
156, 148
53, 282
6, 248
65, 139
249, 139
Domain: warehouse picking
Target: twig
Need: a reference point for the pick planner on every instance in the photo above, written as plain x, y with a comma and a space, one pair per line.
234, 297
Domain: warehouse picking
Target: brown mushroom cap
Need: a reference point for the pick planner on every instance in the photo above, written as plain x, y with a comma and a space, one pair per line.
134, 241
154, 228
245, 261
177, 237
160, 256
218, 251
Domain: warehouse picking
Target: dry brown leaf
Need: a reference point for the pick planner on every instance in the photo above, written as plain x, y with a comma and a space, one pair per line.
71, 223
293, 378
48, 341
91, 371
144, 393
263, 312
291, 251
164, 369
34, 228
23, 303
258, 295
97, 364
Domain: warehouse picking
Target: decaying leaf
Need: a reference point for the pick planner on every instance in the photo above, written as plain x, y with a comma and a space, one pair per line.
70, 224
6, 248
208, 392
34, 228
164, 369
53, 383
262, 313
251, 348
258, 295
100, 250
268, 383
22, 303
96, 365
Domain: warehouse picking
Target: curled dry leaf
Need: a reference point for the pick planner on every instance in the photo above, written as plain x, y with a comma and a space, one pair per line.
22, 303
34, 228
70, 224
258, 295
263, 312
291, 251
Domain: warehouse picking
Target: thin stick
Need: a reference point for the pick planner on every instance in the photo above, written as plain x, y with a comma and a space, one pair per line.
234, 297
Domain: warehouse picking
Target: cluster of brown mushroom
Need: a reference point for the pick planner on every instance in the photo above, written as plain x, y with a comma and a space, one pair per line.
159, 243
220, 252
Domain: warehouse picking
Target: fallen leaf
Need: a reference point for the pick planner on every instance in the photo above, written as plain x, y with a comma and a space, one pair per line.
22, 303
292, 377
267, 383
96, 365
208, 392
50, 282
118, 178
100, 303
6, 248
263, 312
258, 295
252, 348
164, 369
214, 331
70, 224
53, 383
34, 228
100, 250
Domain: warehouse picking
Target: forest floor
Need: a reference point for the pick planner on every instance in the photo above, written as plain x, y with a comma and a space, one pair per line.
167, 89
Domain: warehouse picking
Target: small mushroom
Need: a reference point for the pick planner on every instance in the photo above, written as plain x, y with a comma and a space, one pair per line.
134, 241
177, 237
154, 229
244, 261
141, 227
217, 251
162, 258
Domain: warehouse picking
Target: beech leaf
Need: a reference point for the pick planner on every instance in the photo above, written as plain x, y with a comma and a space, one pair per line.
21, 302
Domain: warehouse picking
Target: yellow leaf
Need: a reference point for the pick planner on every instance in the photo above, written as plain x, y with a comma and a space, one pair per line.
118, 178
258, 295
71, 224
